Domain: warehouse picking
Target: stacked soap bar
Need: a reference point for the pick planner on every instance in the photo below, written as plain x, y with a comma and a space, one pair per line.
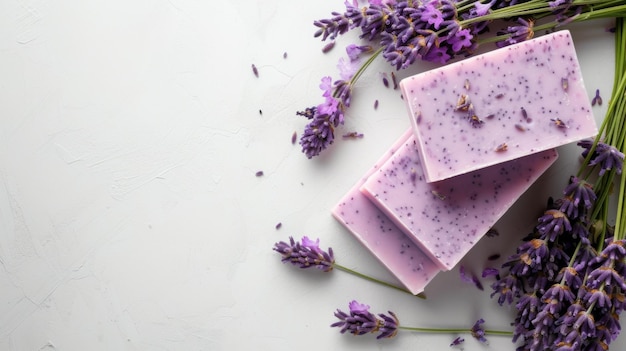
496, 107
483, 130
447, 218
381, 236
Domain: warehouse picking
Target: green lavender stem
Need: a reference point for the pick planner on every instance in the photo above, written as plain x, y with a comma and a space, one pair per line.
377, 281
454, 331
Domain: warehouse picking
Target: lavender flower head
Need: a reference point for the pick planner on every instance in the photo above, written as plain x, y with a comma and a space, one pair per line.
523, 31
478, 332
360, 321
306, 254
604, 155
552, 224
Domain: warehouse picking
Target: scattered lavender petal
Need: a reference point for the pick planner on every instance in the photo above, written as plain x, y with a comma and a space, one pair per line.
278, 225
385, 82
353, 135
493, 257
459, 340
255, 71
464, 276
294, 138
261, 112
492, 232
328, 47
394, 80
490, 271
376, 104
259, 173
597, 99
285, 54
477, 283
470, 278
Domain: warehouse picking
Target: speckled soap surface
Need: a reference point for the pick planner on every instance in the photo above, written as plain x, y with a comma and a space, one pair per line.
447, 218
499, 106
382, 237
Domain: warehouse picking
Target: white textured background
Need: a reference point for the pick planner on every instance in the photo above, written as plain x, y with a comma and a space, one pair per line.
130, 214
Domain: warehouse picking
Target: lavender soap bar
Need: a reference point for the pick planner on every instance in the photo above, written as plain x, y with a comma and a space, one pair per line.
499, 106
447, 218
382, 237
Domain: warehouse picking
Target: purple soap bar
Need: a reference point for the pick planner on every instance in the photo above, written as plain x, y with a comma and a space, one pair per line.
499, 106
382, 237
447, 218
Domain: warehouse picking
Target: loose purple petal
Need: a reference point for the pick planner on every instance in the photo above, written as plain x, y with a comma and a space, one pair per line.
458, 341
328, 47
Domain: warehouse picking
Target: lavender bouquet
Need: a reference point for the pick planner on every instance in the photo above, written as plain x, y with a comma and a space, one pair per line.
567, 279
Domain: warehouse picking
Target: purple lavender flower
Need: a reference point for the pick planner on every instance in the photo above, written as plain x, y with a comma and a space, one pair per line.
527, 308
611, 322
388, 325
614, 251
358, 307
597, 297
607, 156
354, 51
557, 3
317, 136
432, 15
360, 321
570, 276
490, 272
482, 9
530, 257
581, 192
605, 275
305, 254
461, 39
523, 31
552, 224
331, 28
559, 292
507, 288
347, 68
437, 55
478, 332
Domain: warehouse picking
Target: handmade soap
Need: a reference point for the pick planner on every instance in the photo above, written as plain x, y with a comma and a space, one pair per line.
447, 218
382, 237
499, 106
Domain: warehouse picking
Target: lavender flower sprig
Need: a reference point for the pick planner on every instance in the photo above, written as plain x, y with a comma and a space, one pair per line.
307, 253
403, 32
360, 321
568, 279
